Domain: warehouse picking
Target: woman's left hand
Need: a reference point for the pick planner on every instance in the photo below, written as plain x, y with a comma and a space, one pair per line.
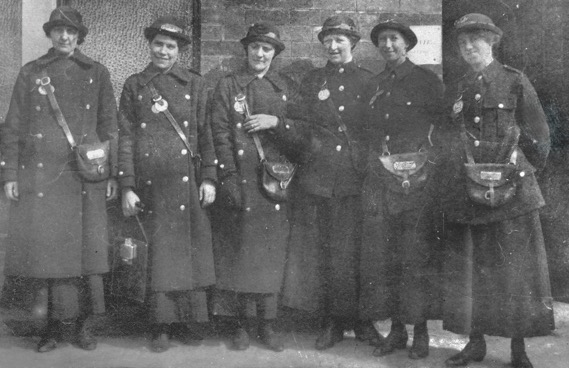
256, 123
112, 189
207, 193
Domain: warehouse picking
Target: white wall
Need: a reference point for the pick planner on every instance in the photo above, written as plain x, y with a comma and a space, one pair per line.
34, 14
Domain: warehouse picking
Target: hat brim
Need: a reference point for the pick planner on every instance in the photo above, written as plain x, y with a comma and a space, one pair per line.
150, 33
478, 26
279, 46
347, 32
48, 26
407, 32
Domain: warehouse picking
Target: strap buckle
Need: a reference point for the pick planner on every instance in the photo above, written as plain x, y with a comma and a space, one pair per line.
44, 81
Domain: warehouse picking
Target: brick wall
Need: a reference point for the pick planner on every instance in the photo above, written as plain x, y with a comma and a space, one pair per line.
225, 22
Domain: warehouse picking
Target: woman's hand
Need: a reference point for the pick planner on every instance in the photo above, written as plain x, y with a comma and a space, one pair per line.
256, 123
112, 189
207, 193
11, 190
130, 202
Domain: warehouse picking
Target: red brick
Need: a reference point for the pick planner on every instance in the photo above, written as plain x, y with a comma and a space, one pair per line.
337, 5
423, 6
289, 4
305, 17
305, 49
301, 33
246, 3
221, 48
380, 6
211, 32
277, 17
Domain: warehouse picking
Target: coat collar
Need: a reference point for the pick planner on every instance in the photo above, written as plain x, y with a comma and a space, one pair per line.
348, 68
244, 76
152, 71
52, 56
489, 74
401, 70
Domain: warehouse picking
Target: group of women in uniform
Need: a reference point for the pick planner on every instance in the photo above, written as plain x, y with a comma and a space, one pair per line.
402, 198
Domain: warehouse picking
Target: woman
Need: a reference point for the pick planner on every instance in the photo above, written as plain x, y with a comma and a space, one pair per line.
172, 179
58, 222
251, 230
327, 215
498, 280
398, 274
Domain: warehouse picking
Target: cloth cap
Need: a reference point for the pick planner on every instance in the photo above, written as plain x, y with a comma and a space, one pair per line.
339, 24
66, 16
264, 32
409, 35
475, 21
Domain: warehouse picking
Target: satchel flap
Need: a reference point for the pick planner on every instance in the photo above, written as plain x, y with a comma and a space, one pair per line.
404, 163
94, 151
282, 171
490, 175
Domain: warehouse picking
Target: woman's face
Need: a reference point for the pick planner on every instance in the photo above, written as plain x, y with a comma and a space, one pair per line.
338, 48
163, 51
260, 55
392, 46
64, 39
475, 50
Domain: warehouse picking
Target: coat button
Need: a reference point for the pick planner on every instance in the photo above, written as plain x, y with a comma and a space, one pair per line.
40, 165
139, 97
476, 143
40, 195
39, 136
340, 129
87, 106
479, 77
38, 108
23, 167
239, 125
38, 82
84, 192
149, 182
143, 125
221, 166
244, 181
341, 88
240, 152
477, 119
287, 126
248, 209
408, 103
477, 97
284, 98
187, 97
186, 123
147, 154
277, 207
388, 94
182, 207
358, 97
185, 179
341, 108
386, 116
338, 148
501, 106
522, 174
215, 162
121, 173
387, 138
341, 70
184, 152
3, 163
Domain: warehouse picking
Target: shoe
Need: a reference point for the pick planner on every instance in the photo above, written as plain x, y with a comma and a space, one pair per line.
420, 347
188, 334
397, 339
365, 331
83, 338
521, 360
475, 350
270, 338
46, 344
240, 340
331, 335
160, 342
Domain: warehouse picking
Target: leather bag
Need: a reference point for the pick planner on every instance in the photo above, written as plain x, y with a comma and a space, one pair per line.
406, 171
491, 185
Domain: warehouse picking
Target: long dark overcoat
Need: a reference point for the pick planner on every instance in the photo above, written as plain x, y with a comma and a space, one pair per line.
251, 231
400, 263
58, 228
154, 161
496, 268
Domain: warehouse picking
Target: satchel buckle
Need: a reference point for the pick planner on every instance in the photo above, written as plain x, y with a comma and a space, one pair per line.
100, 169
45, 81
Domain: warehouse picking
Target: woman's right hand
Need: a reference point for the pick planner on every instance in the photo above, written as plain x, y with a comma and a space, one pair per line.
130, 202
11, 190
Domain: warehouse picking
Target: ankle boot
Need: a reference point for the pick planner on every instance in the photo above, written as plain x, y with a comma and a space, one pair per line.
330, 335
475, 350
50, 335
83, 337
397, 339
519, 356
420, 347
160, 339
365, 331
269, 337
240, 338
188, 333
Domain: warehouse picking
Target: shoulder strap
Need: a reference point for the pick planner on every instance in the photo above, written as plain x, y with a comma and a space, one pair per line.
45, 84
157, 97
242, 98
338, 119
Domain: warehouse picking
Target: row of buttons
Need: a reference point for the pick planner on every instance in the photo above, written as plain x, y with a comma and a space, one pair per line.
187, 97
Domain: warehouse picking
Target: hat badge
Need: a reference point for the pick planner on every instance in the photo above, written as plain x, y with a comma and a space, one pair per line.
170, 28
462, 20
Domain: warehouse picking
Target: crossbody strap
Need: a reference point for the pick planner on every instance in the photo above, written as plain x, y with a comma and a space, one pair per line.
242, 99
338, 118
45, 85
160, 101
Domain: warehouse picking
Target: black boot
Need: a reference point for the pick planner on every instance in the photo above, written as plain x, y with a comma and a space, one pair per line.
160, 337
188, 333
365, 331
332, 334
269, 337
420, 347
475, 350
83, 337
50, 336
240, 340
519, 356
397, 339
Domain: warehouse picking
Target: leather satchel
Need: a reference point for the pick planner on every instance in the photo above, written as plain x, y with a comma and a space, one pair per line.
492, 185
408, 171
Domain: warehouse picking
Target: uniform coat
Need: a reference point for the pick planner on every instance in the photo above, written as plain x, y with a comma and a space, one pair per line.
154, 161
58, 228
400, 262
498, 280
323, 257
251, 231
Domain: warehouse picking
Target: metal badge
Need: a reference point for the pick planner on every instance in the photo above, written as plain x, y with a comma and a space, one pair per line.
42, 91
404, 165
239, 107
323, 94
457, 107
159, 106
375, 96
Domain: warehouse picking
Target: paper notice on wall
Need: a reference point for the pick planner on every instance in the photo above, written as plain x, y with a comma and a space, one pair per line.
429, 48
